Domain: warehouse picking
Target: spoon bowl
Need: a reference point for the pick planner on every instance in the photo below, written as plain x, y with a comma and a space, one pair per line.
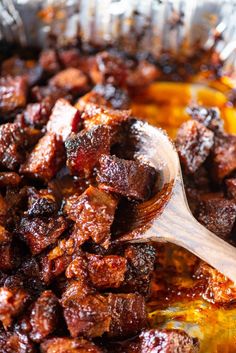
166, 216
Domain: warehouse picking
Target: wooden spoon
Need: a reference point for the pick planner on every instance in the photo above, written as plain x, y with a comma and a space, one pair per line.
166, 216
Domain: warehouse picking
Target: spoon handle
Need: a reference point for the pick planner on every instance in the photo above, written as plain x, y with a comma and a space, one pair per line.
194, 237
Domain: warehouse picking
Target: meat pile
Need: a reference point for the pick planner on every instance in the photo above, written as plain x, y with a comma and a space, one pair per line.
64, 170
208, 158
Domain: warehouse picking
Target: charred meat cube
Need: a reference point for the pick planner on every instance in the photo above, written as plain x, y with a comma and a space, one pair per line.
9, 179
118, 97
128, 178
140, 265
13, 140
85, 314
69, 345
224, 157
13, 94
102, 271
56, 261
46, 158
231, 188
37, 114
49, 61
64, 119
218, 289
96, 115
109, 68
106, 271
209, 117
41, 203
93, 212
84, 149
71, 79
44, 316
12, 303
217, 214
194, 143
162, 341
91, 97
128, 314
39, 233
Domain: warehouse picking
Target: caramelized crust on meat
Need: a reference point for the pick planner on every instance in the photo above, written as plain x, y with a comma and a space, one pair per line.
71, 79
84, 149
224, 157
162, 341
128, 178
12, 303
194, 142
39, 233
85, 314
46, 158
13, 94
44, 316
69, 345
64, 119
93, 212
94, 114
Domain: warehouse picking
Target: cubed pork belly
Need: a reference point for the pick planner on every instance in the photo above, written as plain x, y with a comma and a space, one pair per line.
84, 149
85, 314
231, 188
13, 140
209, 117
217, 214
128, 178
39, 233
94, 114
44, 316
12, 303
128, 314
64, 119
13, 94
71, 79
223, 157
194, 143
162, 341
69, 345
46, 158
109, 68
93, 212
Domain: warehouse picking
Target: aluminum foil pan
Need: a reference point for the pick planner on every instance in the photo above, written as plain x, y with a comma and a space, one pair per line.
175, 26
